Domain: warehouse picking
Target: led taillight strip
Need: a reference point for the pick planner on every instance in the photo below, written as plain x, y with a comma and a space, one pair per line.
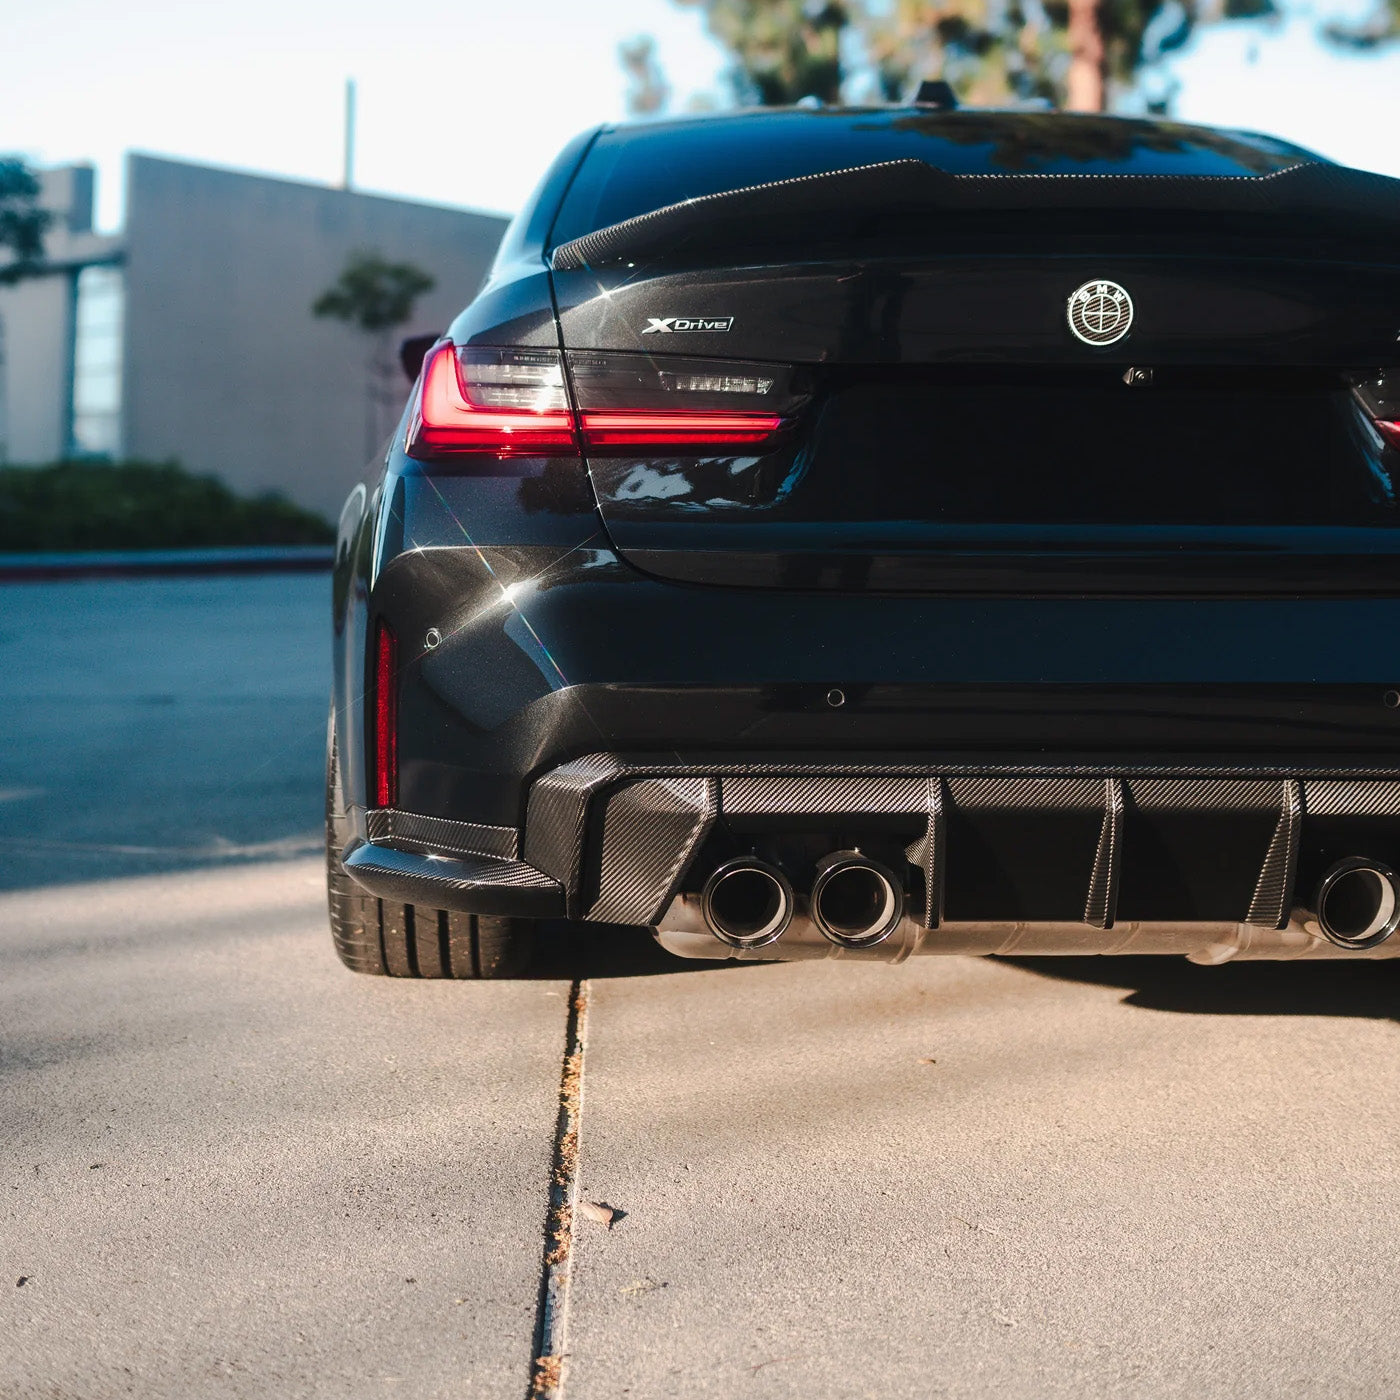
446, 422
386, 716
1390, 431
626, 428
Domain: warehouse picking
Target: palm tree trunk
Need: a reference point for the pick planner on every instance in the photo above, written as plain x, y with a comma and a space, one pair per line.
1085, 86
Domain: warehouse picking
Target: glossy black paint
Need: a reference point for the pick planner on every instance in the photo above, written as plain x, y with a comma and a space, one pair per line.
635, 170
993, 307
706, 611
549, 653
1221, 484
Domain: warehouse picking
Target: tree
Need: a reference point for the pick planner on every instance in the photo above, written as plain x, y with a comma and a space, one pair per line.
988, 53
1077, 54
783, 50
375, 296
22, 222
1074, 54
1112, 44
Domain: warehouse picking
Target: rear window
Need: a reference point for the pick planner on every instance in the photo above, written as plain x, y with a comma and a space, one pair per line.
633, 170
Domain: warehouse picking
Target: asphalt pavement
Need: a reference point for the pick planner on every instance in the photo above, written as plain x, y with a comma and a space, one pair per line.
234, 1169
160, 723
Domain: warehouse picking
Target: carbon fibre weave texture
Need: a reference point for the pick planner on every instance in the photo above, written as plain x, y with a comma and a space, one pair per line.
651, 829
831, 792
1204, 794
653, 825
605, 243
1269, 906
935, 853
1060, 794
629, 765
1302, 186
1101, 904
557, 815
458, 872
413, 831
1330, 798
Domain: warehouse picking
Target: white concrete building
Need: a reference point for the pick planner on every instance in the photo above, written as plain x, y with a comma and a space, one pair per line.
189, 335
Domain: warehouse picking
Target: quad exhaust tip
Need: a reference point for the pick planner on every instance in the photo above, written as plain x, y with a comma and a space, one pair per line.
856, 902
1358, 903
747, 903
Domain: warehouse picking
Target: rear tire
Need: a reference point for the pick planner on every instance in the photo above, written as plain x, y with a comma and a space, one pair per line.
386, 939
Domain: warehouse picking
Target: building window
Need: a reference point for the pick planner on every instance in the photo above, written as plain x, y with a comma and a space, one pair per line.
97, 363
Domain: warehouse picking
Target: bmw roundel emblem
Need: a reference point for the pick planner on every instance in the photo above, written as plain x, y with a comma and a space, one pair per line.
1100, 313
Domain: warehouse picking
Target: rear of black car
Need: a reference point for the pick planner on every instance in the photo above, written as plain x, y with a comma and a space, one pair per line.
863, 532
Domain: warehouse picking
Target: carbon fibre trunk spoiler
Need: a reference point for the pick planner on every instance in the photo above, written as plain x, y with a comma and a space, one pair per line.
1346, 212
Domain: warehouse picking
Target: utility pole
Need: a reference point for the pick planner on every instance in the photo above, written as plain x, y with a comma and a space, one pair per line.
348, 181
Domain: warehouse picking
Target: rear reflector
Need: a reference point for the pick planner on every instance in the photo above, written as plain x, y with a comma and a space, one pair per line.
513, 402
1379, 395
386, 716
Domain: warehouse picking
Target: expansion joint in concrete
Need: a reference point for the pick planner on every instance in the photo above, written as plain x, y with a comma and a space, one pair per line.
552, 1315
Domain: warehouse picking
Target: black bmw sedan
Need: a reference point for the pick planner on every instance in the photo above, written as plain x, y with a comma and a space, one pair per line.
863, 532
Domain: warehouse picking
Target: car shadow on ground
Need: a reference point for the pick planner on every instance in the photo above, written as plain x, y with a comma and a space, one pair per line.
565, 951
1365, 988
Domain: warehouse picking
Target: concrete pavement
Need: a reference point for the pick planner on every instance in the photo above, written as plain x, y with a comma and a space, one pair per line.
231, 1168
1082, 1195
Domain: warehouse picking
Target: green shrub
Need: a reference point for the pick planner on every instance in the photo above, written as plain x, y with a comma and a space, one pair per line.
141, 505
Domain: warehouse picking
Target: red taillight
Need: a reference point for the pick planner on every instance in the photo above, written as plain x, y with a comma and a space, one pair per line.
621, 428
632, 402
1389, 431
514, 401
507, 402
386, 716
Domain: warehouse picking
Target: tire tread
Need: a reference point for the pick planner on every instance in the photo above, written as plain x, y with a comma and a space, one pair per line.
385, 939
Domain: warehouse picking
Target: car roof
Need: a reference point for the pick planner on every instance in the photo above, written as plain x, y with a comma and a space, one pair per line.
1077, 130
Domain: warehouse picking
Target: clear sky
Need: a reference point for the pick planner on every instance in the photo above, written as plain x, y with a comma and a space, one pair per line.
466, 102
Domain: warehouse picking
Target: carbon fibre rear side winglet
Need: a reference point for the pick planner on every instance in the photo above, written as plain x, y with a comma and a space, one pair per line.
471, 884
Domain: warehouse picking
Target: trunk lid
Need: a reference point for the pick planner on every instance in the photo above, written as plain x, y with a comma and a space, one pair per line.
951, 430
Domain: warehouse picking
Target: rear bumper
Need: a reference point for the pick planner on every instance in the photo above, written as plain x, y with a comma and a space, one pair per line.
533, 664
580, 738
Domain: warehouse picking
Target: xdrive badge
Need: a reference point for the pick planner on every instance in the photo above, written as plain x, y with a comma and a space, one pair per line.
664, 325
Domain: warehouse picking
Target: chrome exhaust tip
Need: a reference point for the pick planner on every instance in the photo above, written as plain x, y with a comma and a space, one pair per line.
856, 902
1358, 903
747, 903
